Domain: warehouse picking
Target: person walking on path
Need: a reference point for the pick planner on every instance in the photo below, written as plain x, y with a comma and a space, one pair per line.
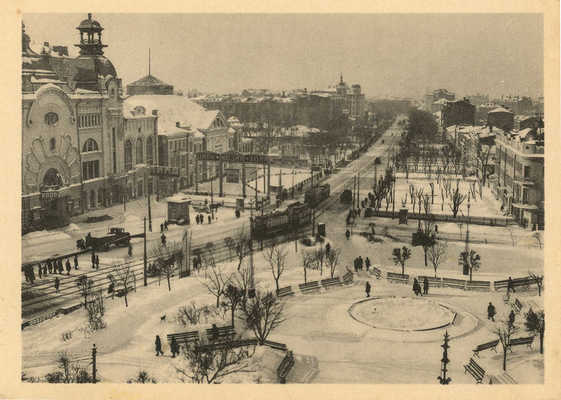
130, 249
68, 267
96, 261
511, 318
510, 286
356, 264
163, 238
57, 284
209, 219
491, 312
367, 263
161, 228
368, 288
416, 287
360, 263
174, 347
40, 271
93, 260
348, 234
425, 286
50, 266
158, 344
75, 261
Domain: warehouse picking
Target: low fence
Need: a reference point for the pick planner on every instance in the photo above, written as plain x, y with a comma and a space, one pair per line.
398, 278
517, 283
497, 221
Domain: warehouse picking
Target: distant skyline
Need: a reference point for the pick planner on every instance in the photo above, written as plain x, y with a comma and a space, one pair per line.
401, 55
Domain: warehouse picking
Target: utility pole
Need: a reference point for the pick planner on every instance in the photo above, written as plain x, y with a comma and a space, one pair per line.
358, 190
211, 198
94, 370
145, 258
125, 195
251, 266
149, 214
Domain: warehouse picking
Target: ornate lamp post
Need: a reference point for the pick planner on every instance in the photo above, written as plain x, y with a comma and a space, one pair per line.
443, 379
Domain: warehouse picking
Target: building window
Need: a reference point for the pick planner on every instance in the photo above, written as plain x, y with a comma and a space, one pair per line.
149, 150
51, 118
128, 155
526, 171
139, 151
52, 144
90, 145
89, 120
90, 170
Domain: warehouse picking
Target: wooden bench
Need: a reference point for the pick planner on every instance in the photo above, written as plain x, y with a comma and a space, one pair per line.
519, 341
433, 282
230, 344
484, 286
348, 278
376, 272
397, 278
326, 283
68, 310
309, 287
184, 337
275, 345
485, 346
453, 283
285, 291
517, 306
475, 370
285, 366
220, 333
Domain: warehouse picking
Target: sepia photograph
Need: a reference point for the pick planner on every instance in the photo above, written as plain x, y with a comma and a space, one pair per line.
230, 198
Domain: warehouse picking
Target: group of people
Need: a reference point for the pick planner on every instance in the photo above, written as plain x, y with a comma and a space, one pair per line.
200, 219
95, 261
49, 267
359, 263
417, 287
491, 312
173, 346
164, 226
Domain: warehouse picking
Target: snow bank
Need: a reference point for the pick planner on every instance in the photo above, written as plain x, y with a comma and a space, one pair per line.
72, 228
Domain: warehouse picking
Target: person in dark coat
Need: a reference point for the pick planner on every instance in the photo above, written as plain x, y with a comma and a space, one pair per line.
96, 261
327, 248
174, 347
57, 284
511, 318
425, 286
209, 219
416, 287
68, 266
356, 264
50, 266
158, 344
510, 286
44, 269
130, 250
360, 263
163, 238
368, 288
348, 234
75, 261
93, 260
367, 263
60, 267
161, 228
491, 312
40, 271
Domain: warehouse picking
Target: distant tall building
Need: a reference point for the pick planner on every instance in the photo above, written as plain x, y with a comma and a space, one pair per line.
459, 112
435, 96
501, 118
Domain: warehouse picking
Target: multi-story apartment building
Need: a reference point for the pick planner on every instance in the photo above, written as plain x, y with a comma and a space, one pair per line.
519, 180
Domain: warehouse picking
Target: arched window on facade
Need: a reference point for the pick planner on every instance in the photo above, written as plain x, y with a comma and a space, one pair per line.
149, 151
139, 151
128, 155
90, 145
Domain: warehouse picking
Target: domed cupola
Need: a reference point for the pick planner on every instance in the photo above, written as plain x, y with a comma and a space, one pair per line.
90, 37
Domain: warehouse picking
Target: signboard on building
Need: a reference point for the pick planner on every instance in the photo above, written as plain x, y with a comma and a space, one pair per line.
232, 157
159, 170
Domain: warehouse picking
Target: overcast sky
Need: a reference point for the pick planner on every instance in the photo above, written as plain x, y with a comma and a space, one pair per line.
389, 55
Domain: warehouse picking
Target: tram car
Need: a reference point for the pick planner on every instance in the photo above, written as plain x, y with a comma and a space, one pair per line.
293, 217
314, 196
115, 237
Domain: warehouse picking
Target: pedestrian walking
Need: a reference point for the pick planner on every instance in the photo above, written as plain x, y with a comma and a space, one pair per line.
348, 234
510, 286
356, 264
367, 263
416, 287
40, 271
96, 261
511, 318
158, 344
425, 286
68, 267
163, 237
368, 288
75, 261
93, 260
209, 220
57, 284
174, 347
130, 249
166, 225
360, 263
44, 270
491, 312
50, 266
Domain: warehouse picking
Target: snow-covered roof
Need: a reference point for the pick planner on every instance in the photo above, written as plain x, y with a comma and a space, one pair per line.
500, 110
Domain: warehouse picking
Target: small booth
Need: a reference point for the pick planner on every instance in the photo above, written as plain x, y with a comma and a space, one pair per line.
178, 210
403, 216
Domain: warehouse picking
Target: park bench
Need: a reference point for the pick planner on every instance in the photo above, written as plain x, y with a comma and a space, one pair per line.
485, 346
184, 337
397, 278
309, 287
519, 341
453, 283
230, 344
275, 345
220, 333
475, 370
326, 283
433, 282
517, 306
285, 291
376, 271
348, 278
285, 366
68, 310
517, 283
478, 285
